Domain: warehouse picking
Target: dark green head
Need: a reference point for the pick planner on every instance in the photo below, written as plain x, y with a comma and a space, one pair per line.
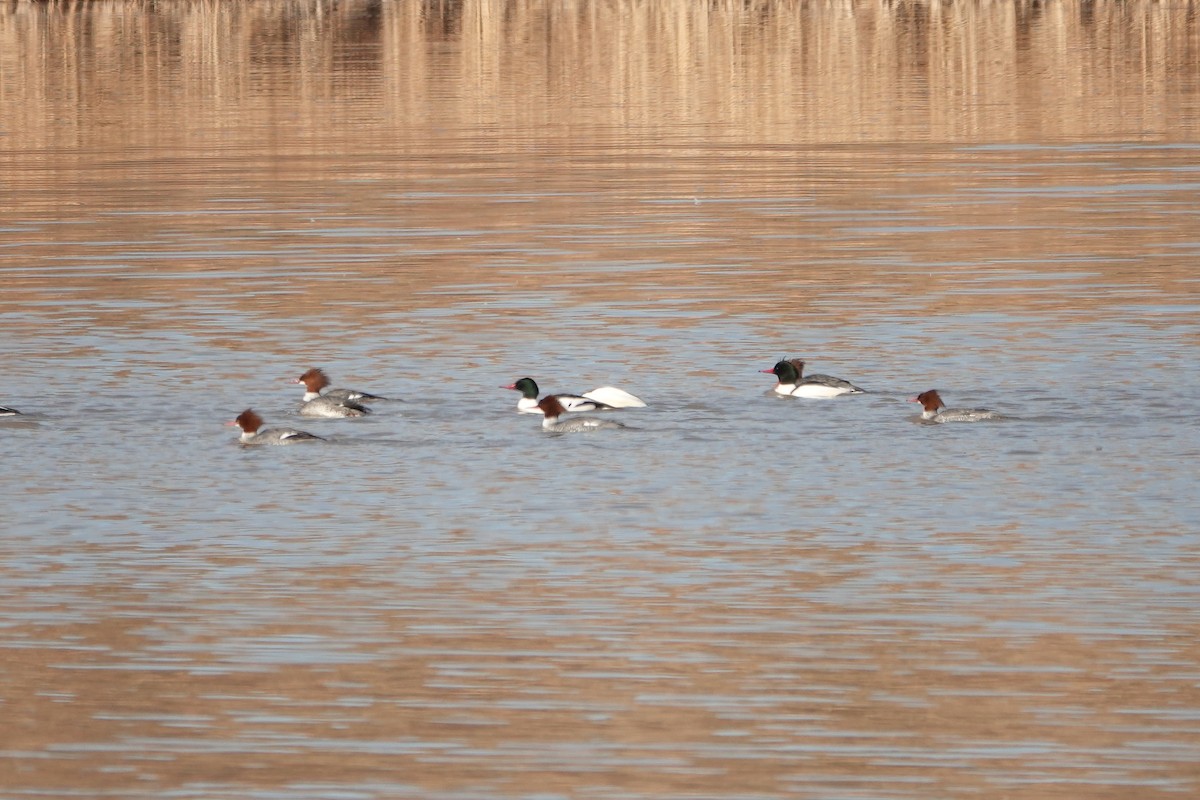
526, 386
786, 371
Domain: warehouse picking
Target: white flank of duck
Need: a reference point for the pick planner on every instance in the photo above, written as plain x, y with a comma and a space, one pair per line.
790, 374
604, 398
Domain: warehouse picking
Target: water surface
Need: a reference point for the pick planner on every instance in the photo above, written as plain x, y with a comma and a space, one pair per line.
739, 596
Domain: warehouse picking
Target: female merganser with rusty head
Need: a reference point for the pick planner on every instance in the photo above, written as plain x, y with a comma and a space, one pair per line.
334, 402
552, 409
603, 399
250, 422
936, 411
790, 373
5, 411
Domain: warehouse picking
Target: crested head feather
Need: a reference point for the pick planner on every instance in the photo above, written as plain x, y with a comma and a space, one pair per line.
315, 379
931, 400
249, 421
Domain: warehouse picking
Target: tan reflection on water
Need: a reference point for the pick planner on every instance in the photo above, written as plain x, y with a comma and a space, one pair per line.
595, 110
851, 115
554, 687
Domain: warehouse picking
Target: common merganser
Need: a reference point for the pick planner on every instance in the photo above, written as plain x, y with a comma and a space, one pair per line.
250, 422
552, 409
790, 372
603, 399
333, 403
322, 406
936, 411
5, 411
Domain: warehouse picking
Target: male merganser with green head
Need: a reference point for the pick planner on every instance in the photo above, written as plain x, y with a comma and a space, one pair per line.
603, 399
790, 373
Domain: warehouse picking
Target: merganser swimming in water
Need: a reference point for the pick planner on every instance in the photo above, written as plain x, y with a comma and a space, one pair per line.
552, 409
603, 399
5, 411
790, 372
250, 422
333, 403
936, 411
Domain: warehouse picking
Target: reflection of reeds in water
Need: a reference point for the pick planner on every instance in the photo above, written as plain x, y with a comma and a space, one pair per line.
290, 72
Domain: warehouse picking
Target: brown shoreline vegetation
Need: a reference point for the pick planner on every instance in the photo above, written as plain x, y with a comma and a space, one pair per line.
967, 71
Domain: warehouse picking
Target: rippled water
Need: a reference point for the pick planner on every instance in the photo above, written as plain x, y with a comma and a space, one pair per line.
740, 595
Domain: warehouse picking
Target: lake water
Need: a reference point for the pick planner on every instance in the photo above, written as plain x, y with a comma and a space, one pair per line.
739, 596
